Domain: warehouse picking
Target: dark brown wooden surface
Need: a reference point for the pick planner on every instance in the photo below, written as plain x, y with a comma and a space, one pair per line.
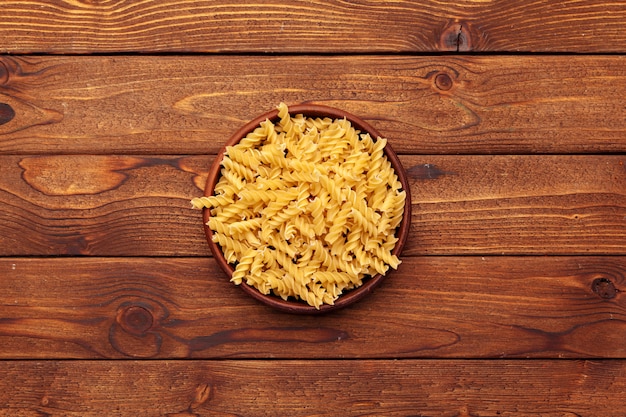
118, 205
459, 307
425, 104
328, 26
510, 118
315, 388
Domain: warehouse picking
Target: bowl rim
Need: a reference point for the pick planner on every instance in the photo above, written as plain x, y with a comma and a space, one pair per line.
402, 231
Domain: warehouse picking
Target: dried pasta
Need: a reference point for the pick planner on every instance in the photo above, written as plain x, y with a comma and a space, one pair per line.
306, 208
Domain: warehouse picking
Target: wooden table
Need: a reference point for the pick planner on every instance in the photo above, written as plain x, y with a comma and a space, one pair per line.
510, 117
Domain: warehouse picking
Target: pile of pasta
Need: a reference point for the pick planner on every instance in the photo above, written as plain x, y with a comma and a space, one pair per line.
306, 208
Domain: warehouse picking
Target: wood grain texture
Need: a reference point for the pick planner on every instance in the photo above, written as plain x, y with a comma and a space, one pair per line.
120, 205
424, 105
320, 388
454, 307
510, 300
311, 26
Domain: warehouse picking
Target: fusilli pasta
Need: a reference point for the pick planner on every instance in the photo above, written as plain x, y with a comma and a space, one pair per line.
306, 208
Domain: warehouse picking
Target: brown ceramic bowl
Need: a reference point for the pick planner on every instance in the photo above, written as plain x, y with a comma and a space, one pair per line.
348, 297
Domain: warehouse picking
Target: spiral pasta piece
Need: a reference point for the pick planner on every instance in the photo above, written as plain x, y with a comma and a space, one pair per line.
243, 267
212, 201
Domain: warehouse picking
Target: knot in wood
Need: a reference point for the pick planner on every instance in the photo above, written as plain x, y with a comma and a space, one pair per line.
455, 37
6, 113
604, 288
135, 330
443, 81
204, 392
135, 319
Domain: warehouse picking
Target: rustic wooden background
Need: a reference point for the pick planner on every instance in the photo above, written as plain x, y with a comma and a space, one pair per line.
510, 117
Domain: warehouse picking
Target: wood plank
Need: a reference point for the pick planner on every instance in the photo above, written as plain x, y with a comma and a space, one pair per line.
518, 204
572, 307
139, 205
311, 26
425, 105
319, 388
101, 205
